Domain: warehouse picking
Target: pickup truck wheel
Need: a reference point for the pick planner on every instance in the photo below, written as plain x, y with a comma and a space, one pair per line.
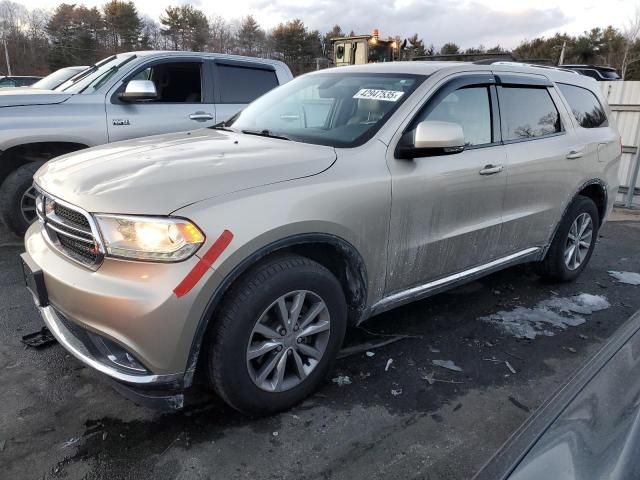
277, 335
18, 199
573, 242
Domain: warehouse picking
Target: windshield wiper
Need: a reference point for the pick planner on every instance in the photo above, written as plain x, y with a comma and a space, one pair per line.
107, 74
265, 133
91, 69
221, 126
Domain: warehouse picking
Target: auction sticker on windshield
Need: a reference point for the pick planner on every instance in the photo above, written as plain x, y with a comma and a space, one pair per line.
373, 94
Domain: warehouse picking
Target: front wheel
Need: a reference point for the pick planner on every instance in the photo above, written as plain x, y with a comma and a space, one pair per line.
18, 198
573, 242
277, 334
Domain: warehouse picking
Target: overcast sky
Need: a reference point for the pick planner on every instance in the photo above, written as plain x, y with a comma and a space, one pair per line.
468, 23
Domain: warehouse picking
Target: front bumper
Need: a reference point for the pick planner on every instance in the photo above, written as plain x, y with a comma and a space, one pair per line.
80, 344
127, 306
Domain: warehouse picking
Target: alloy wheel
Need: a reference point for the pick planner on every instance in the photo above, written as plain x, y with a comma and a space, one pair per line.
578, 241
288, 341
28, 205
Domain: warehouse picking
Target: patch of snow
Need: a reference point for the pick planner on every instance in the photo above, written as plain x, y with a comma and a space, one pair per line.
397, 392
585, 303
630, 278
342, 380
448, 364
557, 313
388, 365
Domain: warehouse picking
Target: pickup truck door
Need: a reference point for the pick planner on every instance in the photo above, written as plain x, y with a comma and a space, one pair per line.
238, 83
184, 102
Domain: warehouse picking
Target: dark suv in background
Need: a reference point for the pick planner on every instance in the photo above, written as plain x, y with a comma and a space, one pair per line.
599, 72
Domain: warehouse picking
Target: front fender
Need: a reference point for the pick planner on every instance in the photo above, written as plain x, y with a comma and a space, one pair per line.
66, 122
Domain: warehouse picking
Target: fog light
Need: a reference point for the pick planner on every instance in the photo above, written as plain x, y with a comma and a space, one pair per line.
118, 355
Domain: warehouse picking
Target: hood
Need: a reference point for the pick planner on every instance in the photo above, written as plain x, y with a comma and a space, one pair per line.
160, 174
22, 96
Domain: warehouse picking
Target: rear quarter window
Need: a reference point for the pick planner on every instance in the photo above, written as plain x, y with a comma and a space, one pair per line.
242, 84
528, 113
586, 107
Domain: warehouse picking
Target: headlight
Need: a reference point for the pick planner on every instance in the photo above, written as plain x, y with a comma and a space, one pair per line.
161, 239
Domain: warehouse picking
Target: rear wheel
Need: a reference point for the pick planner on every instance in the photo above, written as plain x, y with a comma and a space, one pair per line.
573, 242
277, 334
18, 198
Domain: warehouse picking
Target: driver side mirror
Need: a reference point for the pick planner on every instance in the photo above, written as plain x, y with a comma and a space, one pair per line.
432, 138
137, 90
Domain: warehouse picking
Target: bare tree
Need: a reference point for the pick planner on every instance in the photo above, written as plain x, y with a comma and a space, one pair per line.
631, 32
220, 35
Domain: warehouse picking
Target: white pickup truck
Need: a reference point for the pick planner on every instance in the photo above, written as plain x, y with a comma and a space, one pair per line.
124, 96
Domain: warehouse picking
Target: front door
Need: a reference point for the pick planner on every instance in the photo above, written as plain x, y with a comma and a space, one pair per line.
447, 210
184, 102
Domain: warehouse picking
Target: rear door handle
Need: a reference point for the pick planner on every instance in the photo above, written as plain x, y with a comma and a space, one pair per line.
491, 169
573, 154
201, 116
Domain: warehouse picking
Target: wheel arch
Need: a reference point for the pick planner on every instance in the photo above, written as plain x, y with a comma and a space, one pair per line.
335, 253
596, 190
17, 155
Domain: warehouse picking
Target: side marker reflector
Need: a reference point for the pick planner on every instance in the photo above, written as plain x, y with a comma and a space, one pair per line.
207, 260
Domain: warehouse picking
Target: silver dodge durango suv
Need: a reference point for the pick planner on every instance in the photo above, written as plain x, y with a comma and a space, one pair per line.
244, 250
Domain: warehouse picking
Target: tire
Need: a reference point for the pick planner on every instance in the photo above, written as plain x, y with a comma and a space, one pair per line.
234, 376
16, 196
555, 265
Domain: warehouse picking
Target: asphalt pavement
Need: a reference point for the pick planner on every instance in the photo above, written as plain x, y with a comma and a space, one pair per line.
397, 415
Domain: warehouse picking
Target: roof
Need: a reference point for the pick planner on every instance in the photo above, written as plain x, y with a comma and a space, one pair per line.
179, 53
429, 68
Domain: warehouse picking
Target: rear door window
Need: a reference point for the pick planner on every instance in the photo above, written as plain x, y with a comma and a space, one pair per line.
585, 106
528, 113
244, 84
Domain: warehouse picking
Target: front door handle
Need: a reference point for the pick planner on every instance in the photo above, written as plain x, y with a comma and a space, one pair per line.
573, 154
491, 169
201, 116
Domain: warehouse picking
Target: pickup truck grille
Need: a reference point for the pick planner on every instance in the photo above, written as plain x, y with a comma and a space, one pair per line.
70, 230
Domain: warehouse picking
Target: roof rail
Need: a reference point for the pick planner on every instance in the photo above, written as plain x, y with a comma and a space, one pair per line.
535, 65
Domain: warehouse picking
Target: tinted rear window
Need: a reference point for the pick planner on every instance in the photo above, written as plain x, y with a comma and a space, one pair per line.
244, 85
585, 106
528, 113
610, 74
590, 73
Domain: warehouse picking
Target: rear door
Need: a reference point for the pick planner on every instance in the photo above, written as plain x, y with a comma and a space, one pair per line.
238, 83
184, 101
543, 159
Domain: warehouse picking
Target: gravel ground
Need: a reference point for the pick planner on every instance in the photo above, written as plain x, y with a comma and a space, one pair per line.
399, 419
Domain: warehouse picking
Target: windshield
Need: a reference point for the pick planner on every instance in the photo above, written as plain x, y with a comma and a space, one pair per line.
94, 77
335, 109
56, 78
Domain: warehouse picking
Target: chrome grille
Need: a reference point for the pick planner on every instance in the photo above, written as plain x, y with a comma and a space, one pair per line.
70, 230
72, 216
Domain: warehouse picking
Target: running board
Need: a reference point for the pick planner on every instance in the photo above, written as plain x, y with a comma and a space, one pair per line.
436, 286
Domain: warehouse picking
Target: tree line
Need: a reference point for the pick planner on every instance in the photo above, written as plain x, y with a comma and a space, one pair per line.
40, 41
